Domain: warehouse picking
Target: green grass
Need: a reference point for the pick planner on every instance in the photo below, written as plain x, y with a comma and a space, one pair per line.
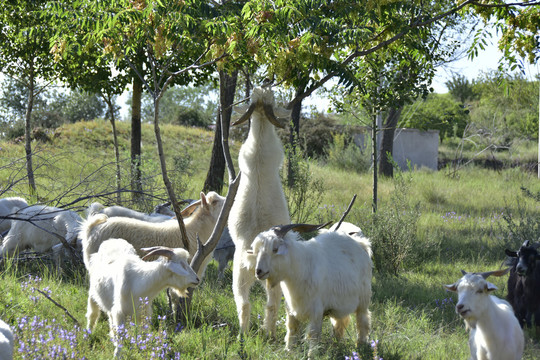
413, 317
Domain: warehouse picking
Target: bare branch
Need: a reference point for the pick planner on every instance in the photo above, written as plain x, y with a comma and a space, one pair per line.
505, 5
60, 306
346, 212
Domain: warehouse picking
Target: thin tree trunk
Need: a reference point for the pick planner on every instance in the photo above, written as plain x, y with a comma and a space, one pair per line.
374, 158
165, 176
28, 132
136, 178
216, 172
294, 135
116, 150
184, 304
386, 168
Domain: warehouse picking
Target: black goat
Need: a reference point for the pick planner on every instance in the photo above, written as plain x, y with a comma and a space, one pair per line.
524, 284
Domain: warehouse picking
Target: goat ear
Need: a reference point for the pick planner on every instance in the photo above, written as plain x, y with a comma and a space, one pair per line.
511, 253
452, 287
490, 287
204, 202
282, 249
177, 269
190, 209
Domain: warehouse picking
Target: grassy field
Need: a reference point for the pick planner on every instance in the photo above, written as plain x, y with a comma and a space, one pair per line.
461, 225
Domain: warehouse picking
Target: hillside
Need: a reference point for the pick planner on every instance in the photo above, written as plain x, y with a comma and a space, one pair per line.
81, 155
429, 226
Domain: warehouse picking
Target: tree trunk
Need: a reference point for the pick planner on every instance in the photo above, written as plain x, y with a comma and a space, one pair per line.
136, 181
294, 135
216, 172
374, 158
112, 119
386, 168
28, 132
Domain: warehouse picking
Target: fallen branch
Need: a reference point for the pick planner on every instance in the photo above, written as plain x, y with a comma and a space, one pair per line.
60, 306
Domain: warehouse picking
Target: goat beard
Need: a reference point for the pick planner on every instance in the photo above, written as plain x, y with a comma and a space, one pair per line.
271, 283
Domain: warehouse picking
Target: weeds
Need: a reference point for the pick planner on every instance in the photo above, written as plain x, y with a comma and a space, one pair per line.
347, 156
393, 230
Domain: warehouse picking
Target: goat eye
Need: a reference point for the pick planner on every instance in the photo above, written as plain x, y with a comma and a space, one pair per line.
274, 251
480, 291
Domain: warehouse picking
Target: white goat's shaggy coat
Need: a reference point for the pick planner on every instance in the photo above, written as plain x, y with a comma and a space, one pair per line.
36, 228
348, 228
326, 275
6, 341
495, 333
9, 206
121, 211
259, 204
122, 284
98, 228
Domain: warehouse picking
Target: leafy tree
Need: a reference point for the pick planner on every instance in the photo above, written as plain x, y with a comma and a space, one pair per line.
24, 55
461, 88
184, 105
507, 106
519, 24
437, 112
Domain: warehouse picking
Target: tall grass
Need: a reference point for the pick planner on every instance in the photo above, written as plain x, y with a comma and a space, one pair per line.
460, 226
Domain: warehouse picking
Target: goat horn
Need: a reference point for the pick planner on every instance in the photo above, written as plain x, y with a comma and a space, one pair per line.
485, 275
525, 243
269, 111
282, 230
190, 209
246, 115
158, 251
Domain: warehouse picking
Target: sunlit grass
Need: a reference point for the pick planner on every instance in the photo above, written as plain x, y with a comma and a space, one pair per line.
413, 317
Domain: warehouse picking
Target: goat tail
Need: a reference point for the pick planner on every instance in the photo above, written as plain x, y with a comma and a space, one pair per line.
94, 208
95, 220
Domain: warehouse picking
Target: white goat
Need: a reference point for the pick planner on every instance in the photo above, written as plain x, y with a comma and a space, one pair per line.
121, 284
6, 341
39, 227
348, 228
259, 204
495, 333
329, 274
9, 206
202, 218
121, 211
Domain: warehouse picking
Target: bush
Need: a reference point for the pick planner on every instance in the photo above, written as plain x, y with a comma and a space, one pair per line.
393, 230
304, 192
524, 226
346, 155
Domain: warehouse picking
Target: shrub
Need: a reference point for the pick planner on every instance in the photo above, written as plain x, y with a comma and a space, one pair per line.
303, 191
393, 230
522, 226
346, 155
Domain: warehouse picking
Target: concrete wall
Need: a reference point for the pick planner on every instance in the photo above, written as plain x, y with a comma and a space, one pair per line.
420, 147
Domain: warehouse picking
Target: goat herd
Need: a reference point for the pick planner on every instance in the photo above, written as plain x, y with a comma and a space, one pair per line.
329, 274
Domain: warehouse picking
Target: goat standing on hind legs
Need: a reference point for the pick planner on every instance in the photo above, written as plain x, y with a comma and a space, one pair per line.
259, 204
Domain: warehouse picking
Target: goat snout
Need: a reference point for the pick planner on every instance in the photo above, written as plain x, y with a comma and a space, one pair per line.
521, 270
261, 274
460, 309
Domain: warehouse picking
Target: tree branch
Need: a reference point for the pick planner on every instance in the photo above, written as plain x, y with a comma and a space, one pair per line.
60, 306
346, 212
